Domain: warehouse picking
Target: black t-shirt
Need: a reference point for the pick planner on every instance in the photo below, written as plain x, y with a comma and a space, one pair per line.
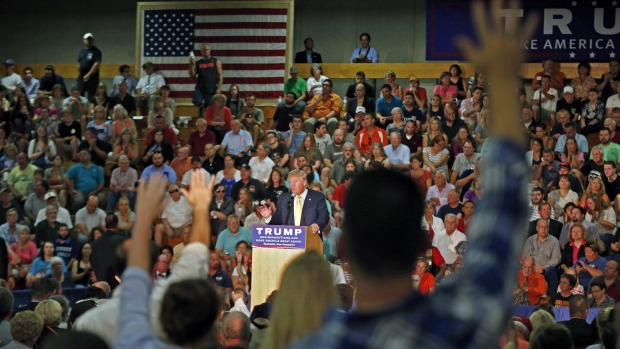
414, 143
207, 75
278, 152
74, 129
557, 300
105, 146
452, 131
129, 103
283, 117
370, 91
612, 189
45, 232
572, 107
415, 115
607, 90
87, 58
213, 167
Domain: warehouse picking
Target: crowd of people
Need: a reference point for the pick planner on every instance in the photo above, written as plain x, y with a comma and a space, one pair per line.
89, 201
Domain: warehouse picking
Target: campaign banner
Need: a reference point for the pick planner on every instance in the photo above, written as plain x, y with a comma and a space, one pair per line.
279, 236
568, 30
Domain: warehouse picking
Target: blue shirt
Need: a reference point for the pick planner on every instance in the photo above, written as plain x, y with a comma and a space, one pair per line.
236, 143
166, 171
371, 54
297, 139
85, 179
454, 316
41, 266
384, 108
398, 156
228, 242
4, 233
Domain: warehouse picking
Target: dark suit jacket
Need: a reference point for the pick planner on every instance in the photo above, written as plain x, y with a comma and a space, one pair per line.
583, 333
227, 208
555, 228
300, 57
102, 259
314, 210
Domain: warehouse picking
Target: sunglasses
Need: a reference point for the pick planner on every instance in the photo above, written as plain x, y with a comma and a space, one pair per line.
220, 190
173, 191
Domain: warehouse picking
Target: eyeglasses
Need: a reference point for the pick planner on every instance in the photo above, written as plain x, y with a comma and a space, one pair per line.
220, 191
173, 191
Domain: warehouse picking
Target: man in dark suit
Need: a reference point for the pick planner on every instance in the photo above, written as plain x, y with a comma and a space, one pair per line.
307, 55
300, 206
105, 250
583, 334
555, 227
42, 289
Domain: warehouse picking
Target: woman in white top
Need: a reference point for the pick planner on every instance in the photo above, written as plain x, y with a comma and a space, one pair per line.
314, 84
562, 196
41, 150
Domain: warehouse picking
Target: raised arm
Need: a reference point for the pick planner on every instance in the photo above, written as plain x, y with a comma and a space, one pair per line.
199, 196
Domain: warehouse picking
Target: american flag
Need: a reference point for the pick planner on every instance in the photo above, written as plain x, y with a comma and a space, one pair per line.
250, 43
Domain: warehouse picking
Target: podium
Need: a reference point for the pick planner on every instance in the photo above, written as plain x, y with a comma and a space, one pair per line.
273, 247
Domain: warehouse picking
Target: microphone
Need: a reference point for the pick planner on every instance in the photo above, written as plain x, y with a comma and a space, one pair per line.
289, 209
289, 204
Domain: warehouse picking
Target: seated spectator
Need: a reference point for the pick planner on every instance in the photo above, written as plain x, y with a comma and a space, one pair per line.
157, 145
531, 285
228, 238
162, 268
85, 179
20, 177
218, 117
100, 98
569, 106
369, 135
49, 80
570, 130
78, 106
46, 230
385, 104
575, 248
148, 87
600, 298
26, 251
167, 131
294, 136
122, 183
284, 113
438, 193
611, 279
344, 164
181, 163
590, 265
261, 164
124, 98
324, 107
576, 214
563, 195
365, 53
68, 135
26, 327
175, 217
398, 153
444, 244
102, 126
237, 143
127, 77
378, 157
221, 207
255, 186
213, 162
200, 138
592, 114
360, 99
160, 168
196, 167
309, 150
41, 150
63, 215
88, 217
159, 109
41, 267
81, 269
9, 231
65, 247
545, 251
126, 217
97, 148
244, 205
229, 175
452, 206
423, 281
121, 122
60, 273
436, 156
321, 137
545, 100
564, 294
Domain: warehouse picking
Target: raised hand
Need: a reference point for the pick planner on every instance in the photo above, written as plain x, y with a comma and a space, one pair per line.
200, 193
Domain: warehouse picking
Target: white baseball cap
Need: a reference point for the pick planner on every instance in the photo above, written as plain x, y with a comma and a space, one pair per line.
88, 35
50, 194
360, 110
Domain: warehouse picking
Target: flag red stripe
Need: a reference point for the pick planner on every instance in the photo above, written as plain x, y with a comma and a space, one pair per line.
230, 80
240, 39
242, 25
242, 11
258, 94
225, 66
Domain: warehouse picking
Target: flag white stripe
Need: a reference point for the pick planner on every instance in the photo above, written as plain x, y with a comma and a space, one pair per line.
224, 59
227, 73
246, 46
240, 18
242, 87
239, 32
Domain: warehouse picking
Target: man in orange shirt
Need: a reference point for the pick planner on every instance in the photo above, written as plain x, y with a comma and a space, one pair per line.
324, 107
369, 135
557, 77
530, 282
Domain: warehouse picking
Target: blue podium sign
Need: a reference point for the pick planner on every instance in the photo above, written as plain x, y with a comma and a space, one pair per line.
279, 236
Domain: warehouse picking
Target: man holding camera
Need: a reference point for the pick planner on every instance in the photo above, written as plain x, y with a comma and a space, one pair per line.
252, 118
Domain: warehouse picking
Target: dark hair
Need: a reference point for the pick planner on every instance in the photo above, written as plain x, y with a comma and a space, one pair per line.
552, 335
166, 247
386, 86
458, 70
363, 203
80, 308
95, 292
611, 163
365, 34
360, 73
297, 116
42, 288
577, 305
6, 302
122, 68
240, 242
188, 311
600, 283
331, 84
585, 65
318, 125
111, 221
572, 280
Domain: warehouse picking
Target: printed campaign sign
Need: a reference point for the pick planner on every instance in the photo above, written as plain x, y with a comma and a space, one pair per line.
279, 236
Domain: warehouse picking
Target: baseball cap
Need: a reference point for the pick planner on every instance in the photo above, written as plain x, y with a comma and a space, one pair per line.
88, 35
247, 167
568, 89
413, 78
360, 110
196, 158
9, 61
294, 70
50, 194
49, 67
